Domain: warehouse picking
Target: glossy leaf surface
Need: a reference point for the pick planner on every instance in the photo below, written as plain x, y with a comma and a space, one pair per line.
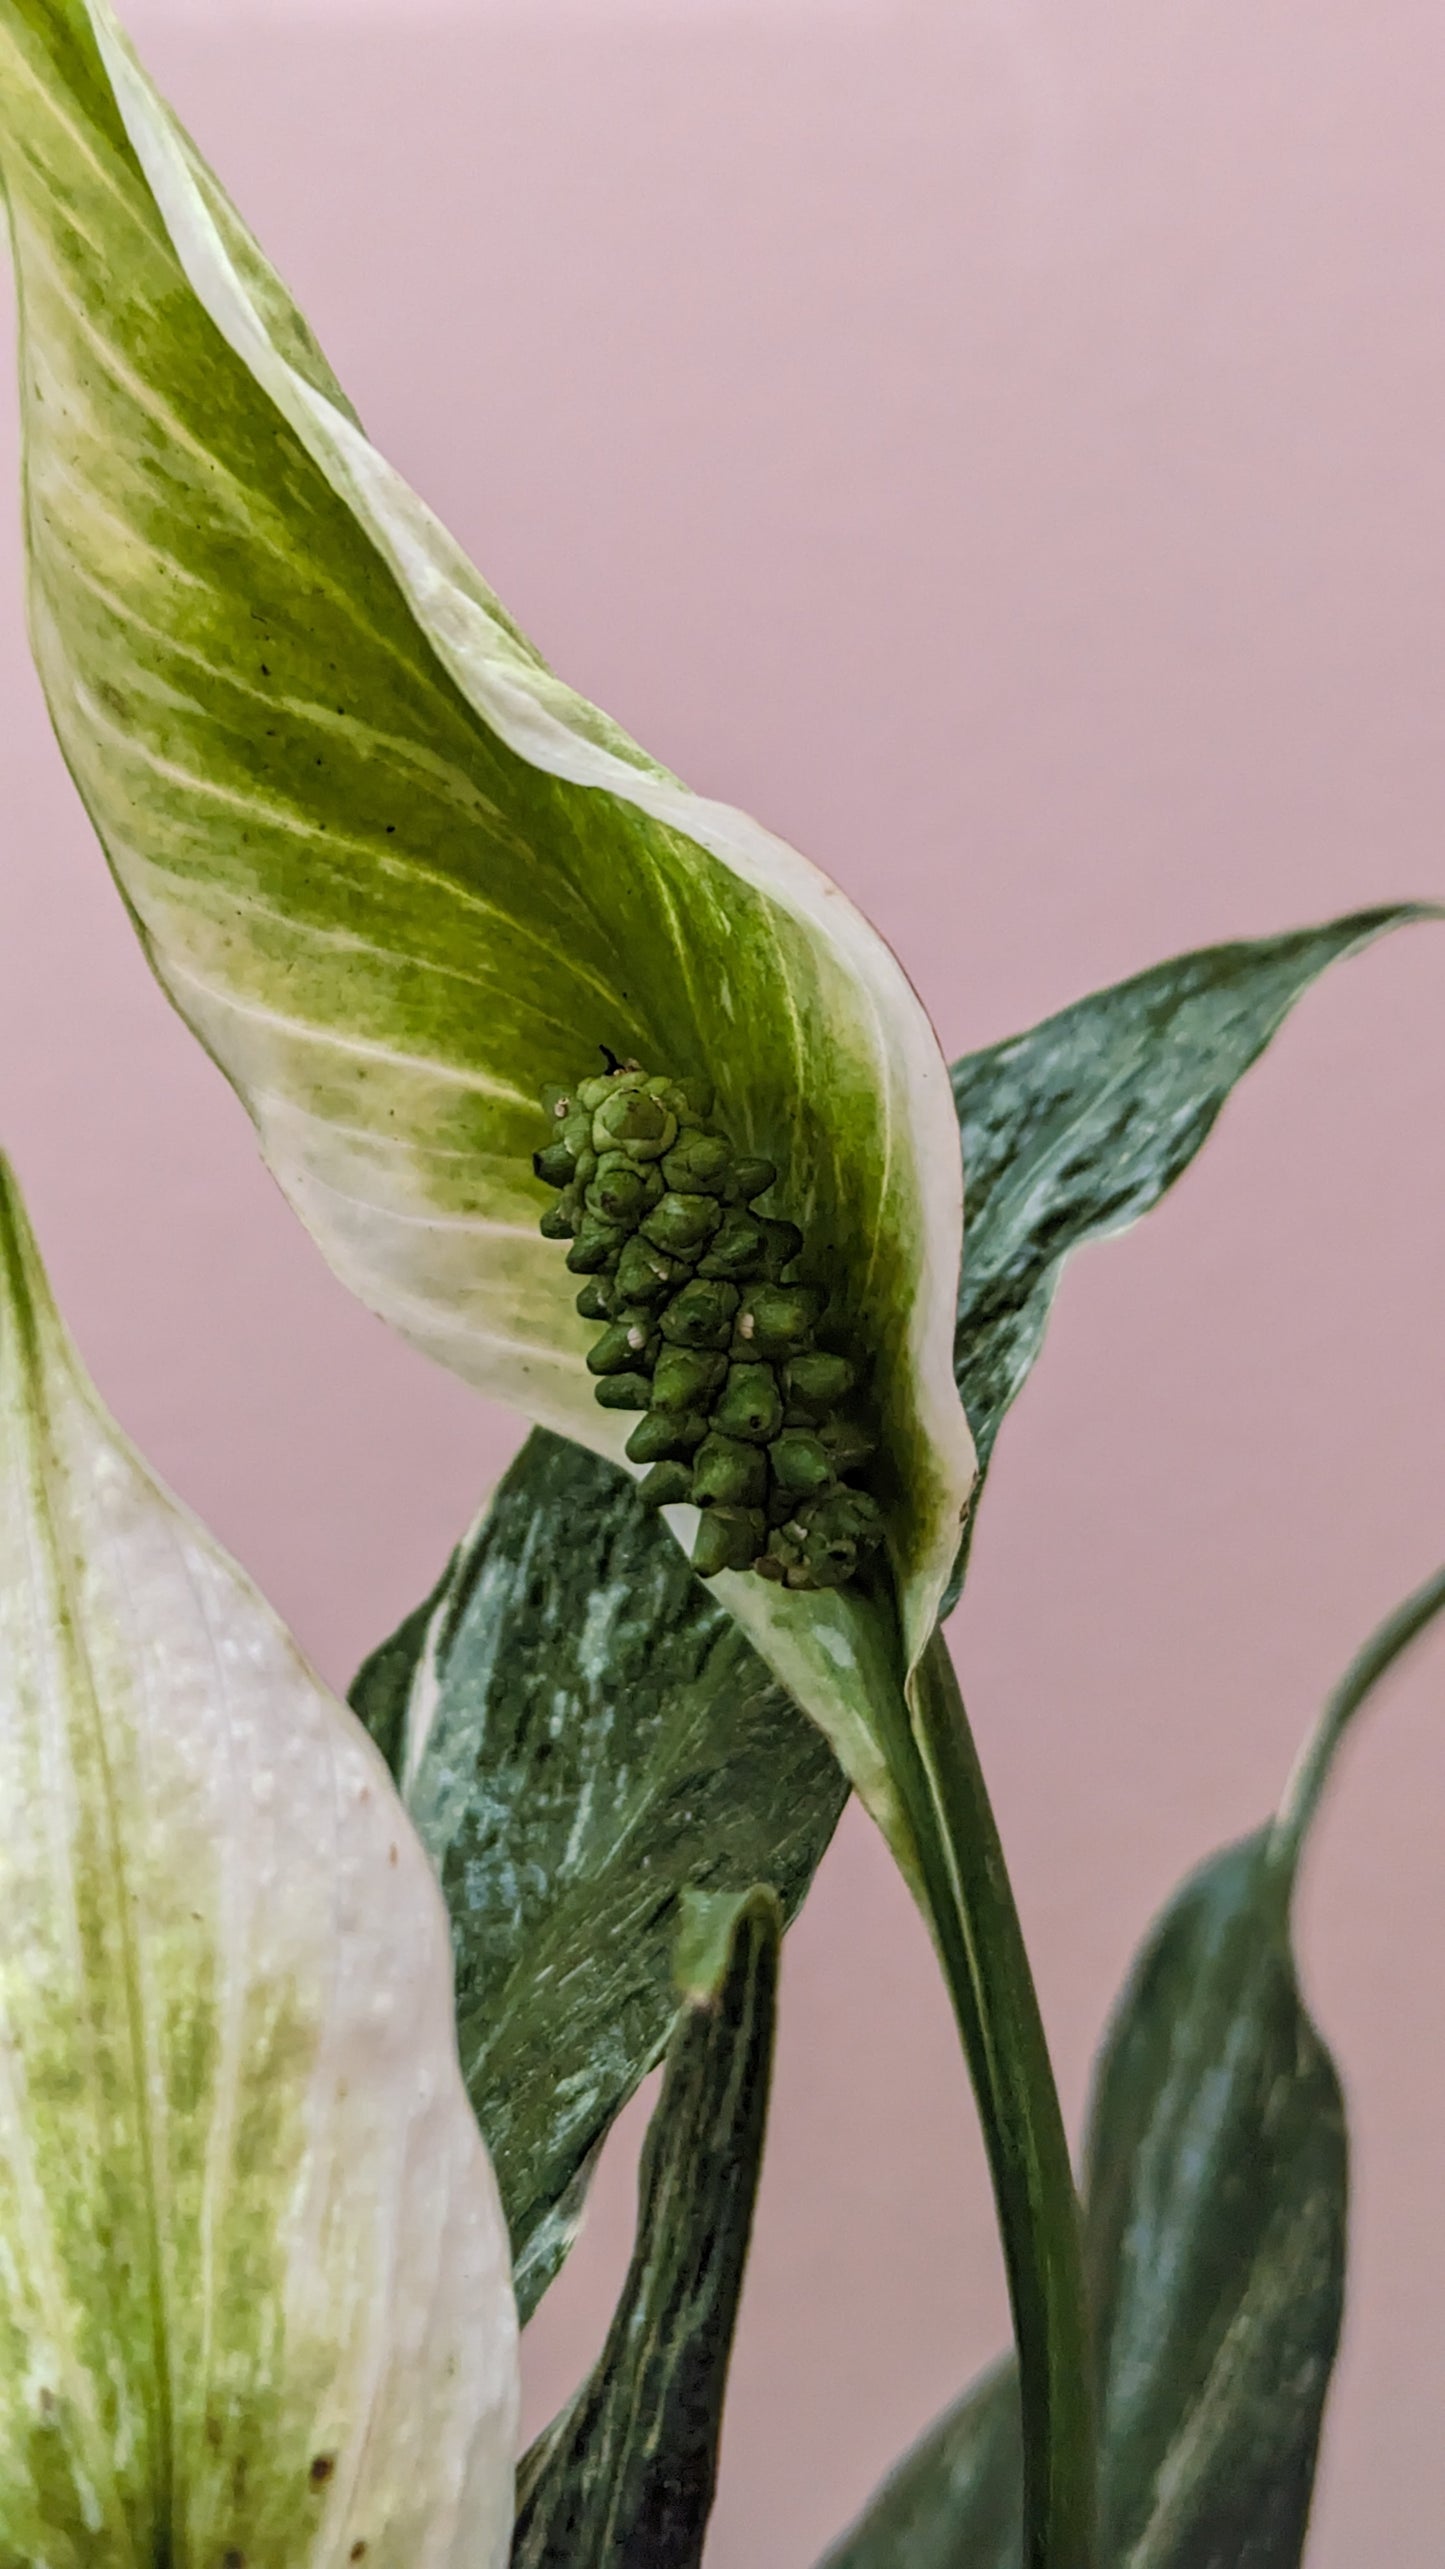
1074, 1130
254, 2298
583, 1735
626, 2474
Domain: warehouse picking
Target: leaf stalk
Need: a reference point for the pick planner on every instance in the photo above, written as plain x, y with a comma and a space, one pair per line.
981, 1947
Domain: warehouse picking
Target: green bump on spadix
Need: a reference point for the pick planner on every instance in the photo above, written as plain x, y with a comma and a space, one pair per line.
706, 1332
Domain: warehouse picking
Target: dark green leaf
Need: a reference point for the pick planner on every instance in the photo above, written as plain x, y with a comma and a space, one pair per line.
1215, 2193
1215, 2190
1072, 1131
625, 2476
582, 1734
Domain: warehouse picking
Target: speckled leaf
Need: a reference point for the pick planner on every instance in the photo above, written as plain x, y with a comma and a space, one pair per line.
254, 2300
1075, 1129
583, 1734
1215, 2193
396, 875
625, 2476
1215, 2232
1217, 2184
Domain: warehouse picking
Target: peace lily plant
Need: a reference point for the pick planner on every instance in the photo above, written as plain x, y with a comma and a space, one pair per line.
609, 1101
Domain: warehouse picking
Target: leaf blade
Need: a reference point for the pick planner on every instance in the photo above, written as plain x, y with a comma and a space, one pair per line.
627, 2473
1214, 2339
1074, 1130
590, 1738
255, 2290
1245, 2196
1216, 2190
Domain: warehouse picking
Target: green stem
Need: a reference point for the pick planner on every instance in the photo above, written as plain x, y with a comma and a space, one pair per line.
982, 1949
1305, 1786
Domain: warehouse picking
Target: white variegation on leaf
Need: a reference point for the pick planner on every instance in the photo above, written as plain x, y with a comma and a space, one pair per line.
396, 875
255, 2303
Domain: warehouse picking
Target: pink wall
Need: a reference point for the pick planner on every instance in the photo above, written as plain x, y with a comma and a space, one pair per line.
1003, 447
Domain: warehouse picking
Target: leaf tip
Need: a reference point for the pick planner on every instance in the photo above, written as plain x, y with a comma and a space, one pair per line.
709, 1926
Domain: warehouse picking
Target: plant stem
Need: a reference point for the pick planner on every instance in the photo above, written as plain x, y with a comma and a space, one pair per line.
982, 1949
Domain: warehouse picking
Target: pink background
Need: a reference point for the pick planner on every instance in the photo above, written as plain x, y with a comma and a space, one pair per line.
1002, 445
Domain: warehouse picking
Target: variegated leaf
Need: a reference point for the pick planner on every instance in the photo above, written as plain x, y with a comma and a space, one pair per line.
584, 1740
1075, 1129
626, 2475
254, 2297
1216, 2188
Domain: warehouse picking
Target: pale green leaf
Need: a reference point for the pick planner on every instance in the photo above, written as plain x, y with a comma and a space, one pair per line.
626, 2474
586, 1741
254, 2300
395, 874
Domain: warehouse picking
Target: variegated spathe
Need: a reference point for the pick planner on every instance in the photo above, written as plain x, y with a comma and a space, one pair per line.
394, 873
255, 2301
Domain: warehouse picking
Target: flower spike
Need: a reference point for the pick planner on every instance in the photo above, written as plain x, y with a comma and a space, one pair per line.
706, 1332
